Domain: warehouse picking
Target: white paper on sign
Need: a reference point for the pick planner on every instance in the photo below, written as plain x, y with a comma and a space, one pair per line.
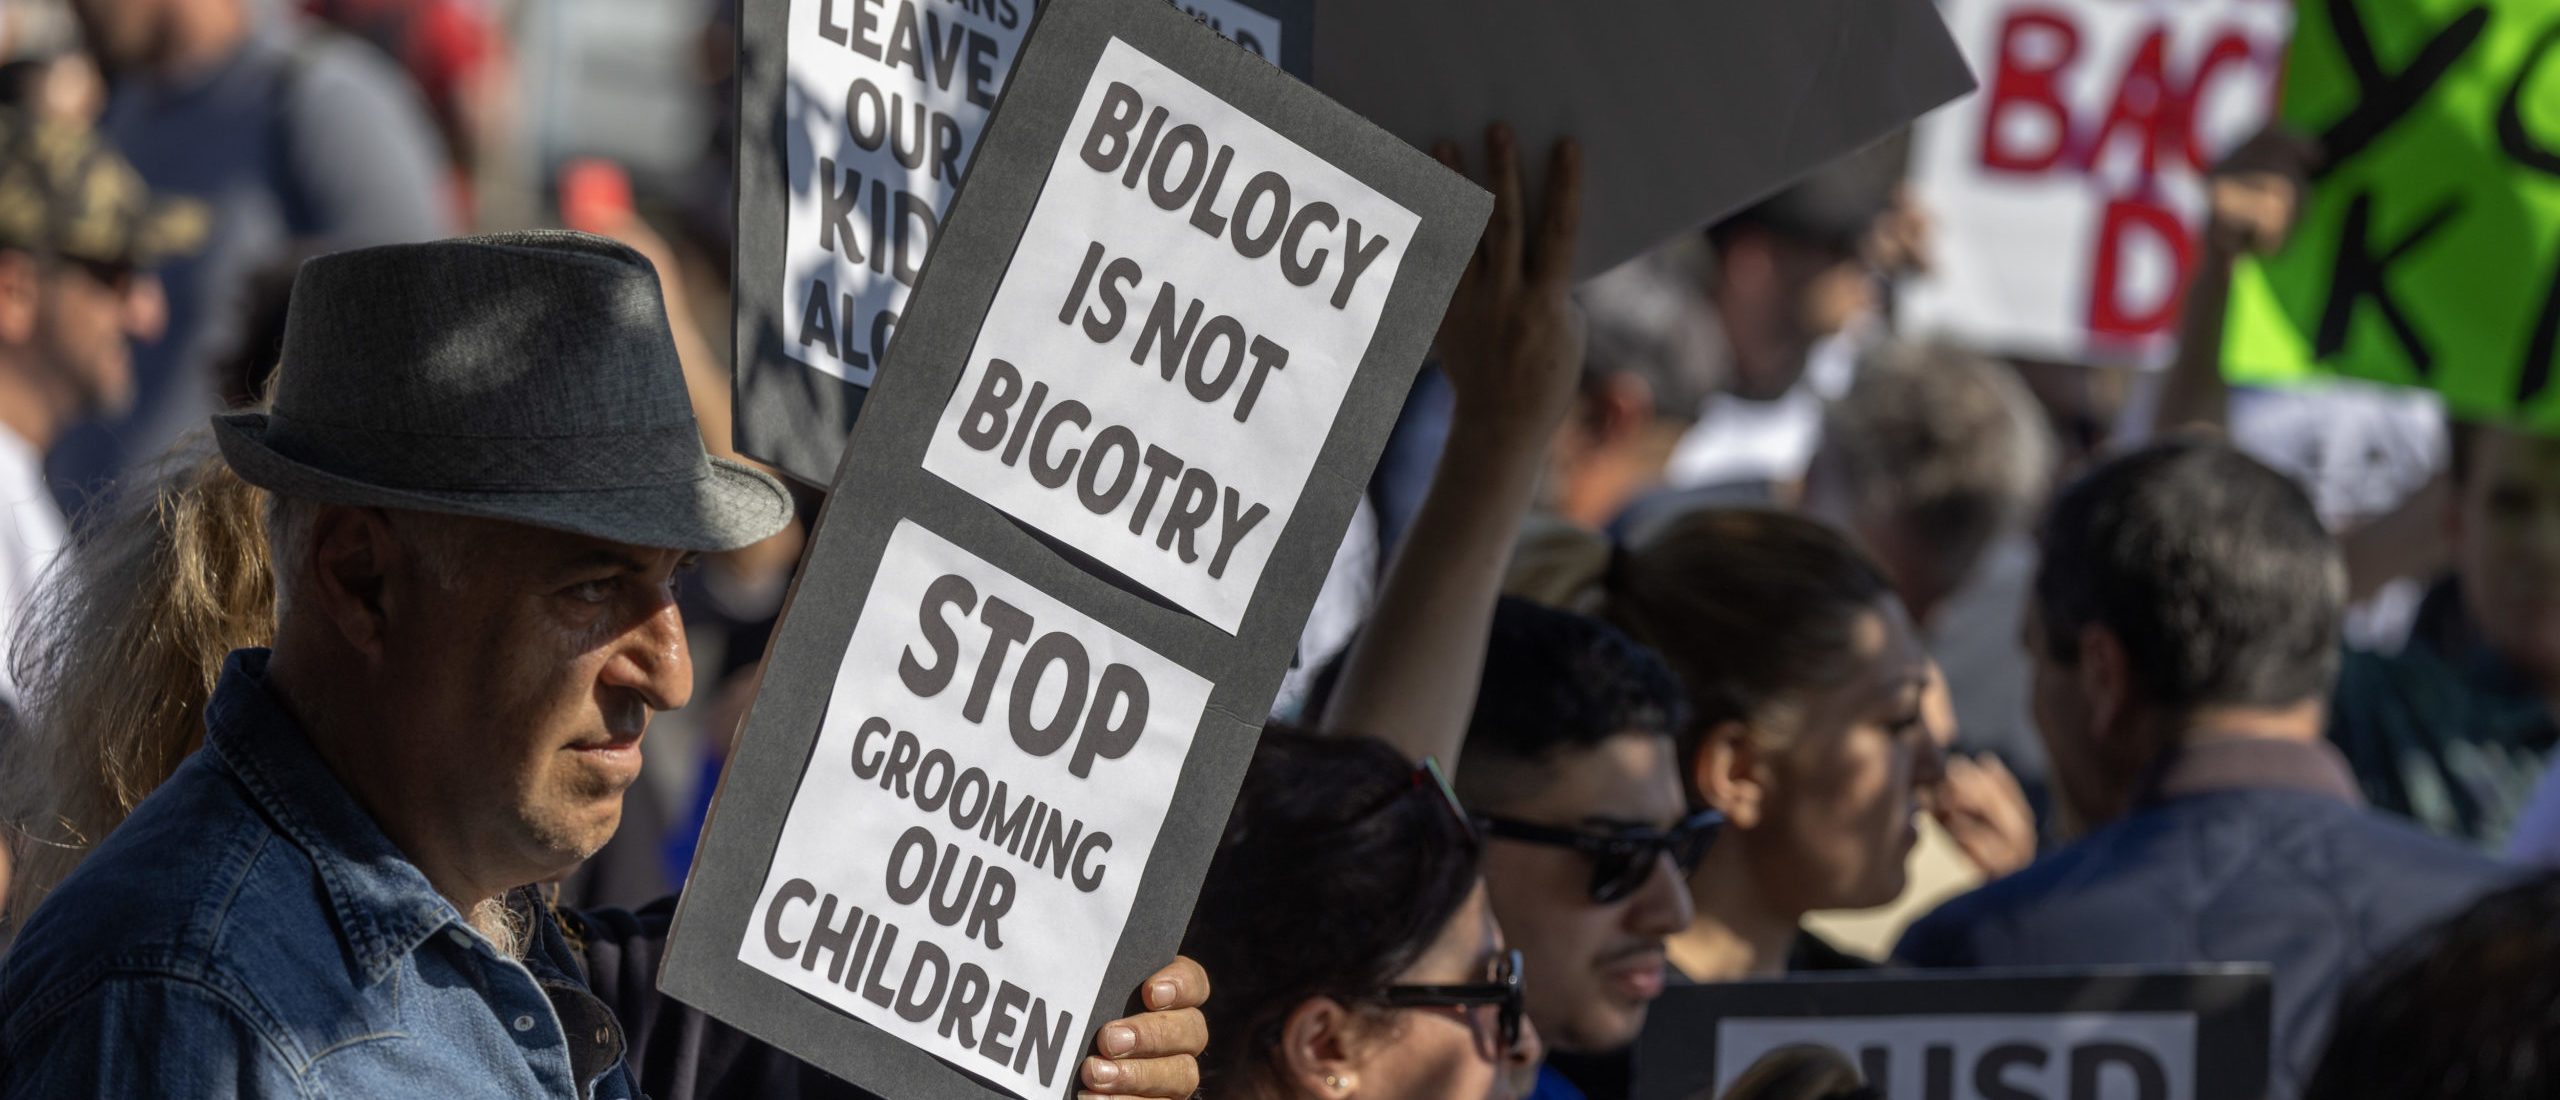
964, 847
2068, 193
1165, 356
2126, 1055
883, 105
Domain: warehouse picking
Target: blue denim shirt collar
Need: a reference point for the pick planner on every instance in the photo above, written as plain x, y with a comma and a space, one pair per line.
383, 903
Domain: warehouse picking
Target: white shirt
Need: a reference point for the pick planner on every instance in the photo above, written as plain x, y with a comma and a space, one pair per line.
32, 535
1350, 586
1737, 440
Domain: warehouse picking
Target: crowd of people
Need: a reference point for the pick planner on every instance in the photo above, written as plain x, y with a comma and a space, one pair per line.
1725, 631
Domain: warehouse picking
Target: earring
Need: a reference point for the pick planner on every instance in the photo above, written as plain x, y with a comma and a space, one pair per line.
1332, 1081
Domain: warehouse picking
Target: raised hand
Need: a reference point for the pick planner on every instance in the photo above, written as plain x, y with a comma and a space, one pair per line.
2257, 190
1985, 811
1511, 343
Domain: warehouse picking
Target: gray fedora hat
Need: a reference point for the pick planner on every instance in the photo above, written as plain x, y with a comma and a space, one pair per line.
525, 376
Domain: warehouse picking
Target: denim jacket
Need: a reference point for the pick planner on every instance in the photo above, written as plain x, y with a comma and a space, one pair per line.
250, 931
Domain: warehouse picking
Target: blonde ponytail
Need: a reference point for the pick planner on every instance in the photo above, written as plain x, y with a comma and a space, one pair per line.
118, 653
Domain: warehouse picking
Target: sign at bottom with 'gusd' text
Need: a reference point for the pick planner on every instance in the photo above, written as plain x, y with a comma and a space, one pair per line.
2107, 1034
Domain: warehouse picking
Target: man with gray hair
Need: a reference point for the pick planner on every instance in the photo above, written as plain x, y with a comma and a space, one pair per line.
1932, 454
486, 478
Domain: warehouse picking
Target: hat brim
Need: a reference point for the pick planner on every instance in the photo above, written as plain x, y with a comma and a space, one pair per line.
737, 506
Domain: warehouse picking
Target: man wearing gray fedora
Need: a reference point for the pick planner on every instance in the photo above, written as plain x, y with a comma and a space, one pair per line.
484, 476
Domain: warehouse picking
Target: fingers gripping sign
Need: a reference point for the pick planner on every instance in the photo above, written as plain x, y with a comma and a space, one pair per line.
1139, 391
1155, 1053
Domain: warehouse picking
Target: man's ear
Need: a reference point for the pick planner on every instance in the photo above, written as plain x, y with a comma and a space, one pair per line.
2106, 681
1731, 773
21, 282
1320, 1049
352, 558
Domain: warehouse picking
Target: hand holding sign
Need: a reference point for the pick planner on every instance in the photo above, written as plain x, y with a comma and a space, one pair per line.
1157, 1052
1511, 342
2257, 190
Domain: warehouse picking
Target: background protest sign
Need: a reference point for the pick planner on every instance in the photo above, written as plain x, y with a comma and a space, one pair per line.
2196, 1034
2068, 195
952, 646
857, 121
2428, 252
1686, 111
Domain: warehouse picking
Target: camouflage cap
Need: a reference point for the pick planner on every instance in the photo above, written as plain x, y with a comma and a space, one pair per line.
62, 192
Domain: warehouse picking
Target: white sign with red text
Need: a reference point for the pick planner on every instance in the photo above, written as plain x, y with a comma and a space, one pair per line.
2067, 194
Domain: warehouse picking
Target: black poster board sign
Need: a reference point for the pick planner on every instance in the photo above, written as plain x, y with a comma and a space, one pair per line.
1686, 110
1066, 560
857, 120
2172, 1034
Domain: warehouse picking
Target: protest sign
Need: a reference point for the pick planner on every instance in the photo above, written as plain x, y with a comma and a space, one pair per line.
1065, 564
1686, 111
880, 822
2428, 252
1185, 481
857, 121
2189, 1034
2067, 197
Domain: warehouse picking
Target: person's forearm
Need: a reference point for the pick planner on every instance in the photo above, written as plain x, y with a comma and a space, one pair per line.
2194, 394
1411, 676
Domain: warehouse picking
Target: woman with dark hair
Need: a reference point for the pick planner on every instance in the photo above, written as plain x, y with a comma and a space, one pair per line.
1354, 950
1806, 686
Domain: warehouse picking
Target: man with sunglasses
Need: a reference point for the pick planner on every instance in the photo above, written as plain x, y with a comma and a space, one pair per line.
79, 235
1572, 776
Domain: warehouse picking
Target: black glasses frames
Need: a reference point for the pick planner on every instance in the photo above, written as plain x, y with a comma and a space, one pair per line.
1620, 861
1504, 993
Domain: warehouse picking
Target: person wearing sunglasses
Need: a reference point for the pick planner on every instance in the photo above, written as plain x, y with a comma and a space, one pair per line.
1807, 686
1572, 776
80, 237
1356, 952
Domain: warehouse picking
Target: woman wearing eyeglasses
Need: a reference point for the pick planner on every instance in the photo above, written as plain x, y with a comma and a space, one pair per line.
1355, 953
1806, 683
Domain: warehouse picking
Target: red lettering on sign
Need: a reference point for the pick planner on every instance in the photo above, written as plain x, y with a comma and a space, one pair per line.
2126, 220
2036, 44
2147, 102
2229, 49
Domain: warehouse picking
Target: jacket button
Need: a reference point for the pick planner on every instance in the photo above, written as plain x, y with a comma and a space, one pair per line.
524, 1023
604, 1036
